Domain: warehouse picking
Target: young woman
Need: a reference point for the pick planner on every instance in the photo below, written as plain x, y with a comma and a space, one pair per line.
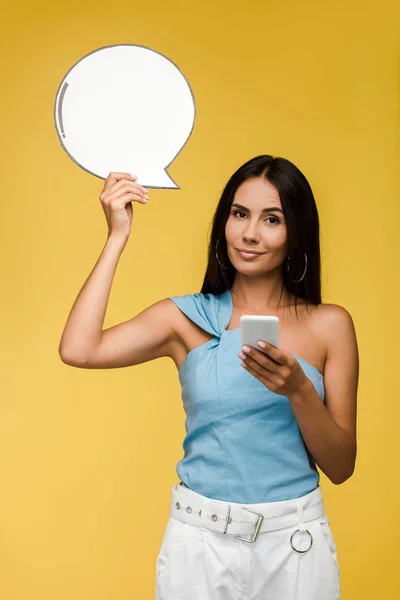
247, 519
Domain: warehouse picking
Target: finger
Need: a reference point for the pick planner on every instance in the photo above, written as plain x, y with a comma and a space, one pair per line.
109, 196
263, 360
263, 368
262, 377
116, 176
128, 197
131, 185
275, 353
140, 187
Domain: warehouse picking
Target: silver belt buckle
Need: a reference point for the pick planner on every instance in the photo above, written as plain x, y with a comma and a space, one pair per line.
257, 526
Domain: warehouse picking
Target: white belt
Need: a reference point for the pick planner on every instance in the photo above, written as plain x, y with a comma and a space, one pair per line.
238, 520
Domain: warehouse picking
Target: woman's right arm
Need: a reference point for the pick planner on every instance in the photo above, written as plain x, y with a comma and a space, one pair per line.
149, 335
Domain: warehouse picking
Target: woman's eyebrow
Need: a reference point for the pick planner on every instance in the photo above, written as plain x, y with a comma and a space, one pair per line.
264, 210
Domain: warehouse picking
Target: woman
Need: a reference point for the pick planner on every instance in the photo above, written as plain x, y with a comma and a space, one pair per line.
247, 518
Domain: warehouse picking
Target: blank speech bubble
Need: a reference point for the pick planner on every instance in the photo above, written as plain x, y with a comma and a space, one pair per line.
125, 108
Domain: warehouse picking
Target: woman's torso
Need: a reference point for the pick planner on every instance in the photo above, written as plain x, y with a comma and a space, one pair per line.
242, 440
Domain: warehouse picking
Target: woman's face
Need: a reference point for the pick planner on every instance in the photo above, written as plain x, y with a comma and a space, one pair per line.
256, 223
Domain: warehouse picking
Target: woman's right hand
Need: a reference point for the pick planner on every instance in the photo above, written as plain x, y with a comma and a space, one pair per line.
119, 191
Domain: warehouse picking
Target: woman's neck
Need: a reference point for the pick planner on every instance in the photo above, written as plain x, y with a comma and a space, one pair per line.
259, 296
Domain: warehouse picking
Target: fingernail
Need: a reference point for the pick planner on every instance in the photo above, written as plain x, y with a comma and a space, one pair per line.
241, 355
262, 344
245, 349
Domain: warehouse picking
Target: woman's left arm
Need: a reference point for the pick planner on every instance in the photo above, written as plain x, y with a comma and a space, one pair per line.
328, 430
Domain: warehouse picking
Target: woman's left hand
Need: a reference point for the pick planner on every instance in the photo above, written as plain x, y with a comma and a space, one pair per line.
279, 371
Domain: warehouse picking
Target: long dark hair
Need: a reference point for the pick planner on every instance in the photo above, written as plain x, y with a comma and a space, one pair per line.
301, 217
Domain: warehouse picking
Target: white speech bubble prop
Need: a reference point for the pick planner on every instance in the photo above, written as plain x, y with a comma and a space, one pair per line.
125, 108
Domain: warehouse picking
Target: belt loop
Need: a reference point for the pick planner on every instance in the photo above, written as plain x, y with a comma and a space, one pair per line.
302, 528
300, 515
203, 512
227, 519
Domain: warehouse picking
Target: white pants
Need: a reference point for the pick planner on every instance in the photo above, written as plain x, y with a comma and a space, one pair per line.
293, 556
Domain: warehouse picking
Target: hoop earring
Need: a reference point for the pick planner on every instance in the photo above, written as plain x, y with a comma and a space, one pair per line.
216, 256
305, 269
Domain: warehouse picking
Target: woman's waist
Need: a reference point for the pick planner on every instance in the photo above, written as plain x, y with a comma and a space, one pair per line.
247, 437
239, 484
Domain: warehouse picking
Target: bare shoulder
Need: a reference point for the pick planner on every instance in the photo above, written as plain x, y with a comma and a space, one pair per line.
176, 318
163, 312
334, 326
167, 315
181, 328
324, 317
329, 316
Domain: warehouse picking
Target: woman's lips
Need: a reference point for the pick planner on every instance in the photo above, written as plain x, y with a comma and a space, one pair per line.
248, 254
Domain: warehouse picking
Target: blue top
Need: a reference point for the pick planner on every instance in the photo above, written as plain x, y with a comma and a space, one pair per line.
242, 441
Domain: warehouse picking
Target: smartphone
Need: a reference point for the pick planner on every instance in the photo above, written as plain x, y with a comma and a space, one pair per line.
259, 327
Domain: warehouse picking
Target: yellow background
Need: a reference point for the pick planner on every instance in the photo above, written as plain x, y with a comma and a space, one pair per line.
82, 452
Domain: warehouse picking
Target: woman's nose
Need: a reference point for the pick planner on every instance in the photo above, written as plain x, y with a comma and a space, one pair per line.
251, 232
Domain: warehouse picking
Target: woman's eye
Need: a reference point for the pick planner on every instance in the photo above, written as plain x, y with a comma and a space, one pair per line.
236, 213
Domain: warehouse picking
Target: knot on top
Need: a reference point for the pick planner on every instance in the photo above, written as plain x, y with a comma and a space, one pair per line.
208, 311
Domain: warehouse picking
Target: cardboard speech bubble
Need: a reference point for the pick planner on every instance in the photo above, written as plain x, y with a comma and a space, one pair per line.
125, 108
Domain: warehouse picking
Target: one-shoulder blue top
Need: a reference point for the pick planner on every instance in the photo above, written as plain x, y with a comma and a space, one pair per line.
242, 440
